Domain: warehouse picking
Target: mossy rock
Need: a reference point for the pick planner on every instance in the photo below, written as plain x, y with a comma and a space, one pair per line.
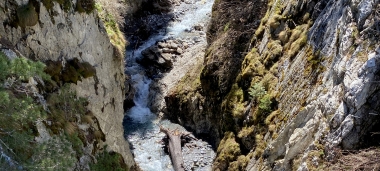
85, 69
85, 6
228, 151
70, 75
27, 15
54, 69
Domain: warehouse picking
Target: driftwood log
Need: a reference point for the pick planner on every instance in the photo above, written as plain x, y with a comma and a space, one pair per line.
175, 148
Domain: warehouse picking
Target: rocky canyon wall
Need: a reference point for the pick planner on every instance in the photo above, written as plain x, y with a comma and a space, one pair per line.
63, 31
285, 84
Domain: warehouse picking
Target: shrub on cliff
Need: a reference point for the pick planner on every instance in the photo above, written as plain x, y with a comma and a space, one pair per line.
109, 161
21, 68
19, 112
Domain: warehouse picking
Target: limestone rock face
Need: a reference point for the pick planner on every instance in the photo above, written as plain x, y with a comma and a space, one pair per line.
63, 35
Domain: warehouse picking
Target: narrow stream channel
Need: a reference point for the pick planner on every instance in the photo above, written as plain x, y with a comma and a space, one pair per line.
140, 124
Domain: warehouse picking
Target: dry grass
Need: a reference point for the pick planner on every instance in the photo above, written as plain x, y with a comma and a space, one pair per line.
367, 159
114, 7
109, 13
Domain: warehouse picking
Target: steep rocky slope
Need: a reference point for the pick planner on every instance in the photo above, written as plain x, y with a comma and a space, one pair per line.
285, 84
65, 31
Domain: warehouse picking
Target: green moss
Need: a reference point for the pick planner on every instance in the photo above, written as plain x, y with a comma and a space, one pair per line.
70, 75
260, 145
283, 36
273, 53
260, 31
246, 131
240, 164
252, 66
85, 6
274, 21
228, 151
297, 40
27, 15
272, 116
314, 61
54, 69
234, 102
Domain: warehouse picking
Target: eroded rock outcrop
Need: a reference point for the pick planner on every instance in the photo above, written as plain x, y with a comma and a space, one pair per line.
64, 33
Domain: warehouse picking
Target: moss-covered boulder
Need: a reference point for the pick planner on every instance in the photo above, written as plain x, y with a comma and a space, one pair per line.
27, 15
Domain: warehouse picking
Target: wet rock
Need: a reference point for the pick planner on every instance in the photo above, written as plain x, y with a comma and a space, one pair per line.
173, 45
152, 57
198, 27
162, 45
179, 51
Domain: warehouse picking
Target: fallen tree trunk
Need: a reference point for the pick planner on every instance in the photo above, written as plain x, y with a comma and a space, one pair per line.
175, 148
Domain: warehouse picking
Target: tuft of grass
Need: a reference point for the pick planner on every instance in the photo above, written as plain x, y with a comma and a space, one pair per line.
116, 36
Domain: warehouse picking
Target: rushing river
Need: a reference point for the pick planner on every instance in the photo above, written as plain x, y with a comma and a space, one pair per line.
141, 125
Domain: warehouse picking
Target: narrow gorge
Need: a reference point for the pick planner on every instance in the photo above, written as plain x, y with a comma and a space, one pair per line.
246, 84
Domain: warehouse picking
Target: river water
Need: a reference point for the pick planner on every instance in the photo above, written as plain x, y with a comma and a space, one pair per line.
140, 124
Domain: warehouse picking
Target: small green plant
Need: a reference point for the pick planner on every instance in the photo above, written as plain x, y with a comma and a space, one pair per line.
257, 91
265, 103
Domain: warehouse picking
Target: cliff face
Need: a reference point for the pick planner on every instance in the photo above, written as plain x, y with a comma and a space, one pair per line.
289, 93
62, 32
